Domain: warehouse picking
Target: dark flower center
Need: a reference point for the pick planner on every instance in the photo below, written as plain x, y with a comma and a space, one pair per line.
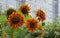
32, 25
15, 20
24, 10
41, 15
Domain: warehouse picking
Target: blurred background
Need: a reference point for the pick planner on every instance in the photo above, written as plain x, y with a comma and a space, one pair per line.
51, 8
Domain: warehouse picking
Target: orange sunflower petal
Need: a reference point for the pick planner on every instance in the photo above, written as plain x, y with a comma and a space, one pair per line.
41, 15
25, 9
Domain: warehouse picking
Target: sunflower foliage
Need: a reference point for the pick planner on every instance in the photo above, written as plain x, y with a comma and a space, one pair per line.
52, 29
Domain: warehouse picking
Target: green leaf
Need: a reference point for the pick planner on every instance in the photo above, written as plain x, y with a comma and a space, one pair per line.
27, 17
9, 31
26, 37
43, 23
3, 18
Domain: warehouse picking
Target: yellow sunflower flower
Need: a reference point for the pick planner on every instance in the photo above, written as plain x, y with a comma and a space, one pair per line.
25, 9
15, 20
41, 15
32, 24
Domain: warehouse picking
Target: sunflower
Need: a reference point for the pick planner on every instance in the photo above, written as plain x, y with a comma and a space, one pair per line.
41, 15
15, 20
10, 11
25, 9
32, 24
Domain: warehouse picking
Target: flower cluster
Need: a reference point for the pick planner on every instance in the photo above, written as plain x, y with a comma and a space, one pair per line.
16, 20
